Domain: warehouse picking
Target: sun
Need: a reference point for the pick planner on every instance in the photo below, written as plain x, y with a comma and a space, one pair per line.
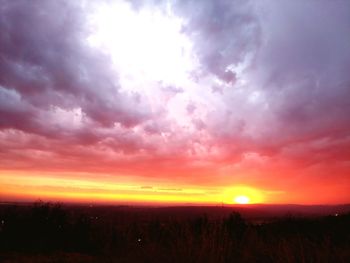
241, 199
242, 194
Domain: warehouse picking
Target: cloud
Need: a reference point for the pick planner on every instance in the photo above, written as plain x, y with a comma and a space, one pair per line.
224, 32
45, 60
270, 90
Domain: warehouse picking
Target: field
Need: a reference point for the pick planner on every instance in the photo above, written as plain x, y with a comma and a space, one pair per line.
44, 232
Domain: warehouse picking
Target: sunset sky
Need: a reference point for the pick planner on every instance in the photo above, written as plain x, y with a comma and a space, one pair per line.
175, 102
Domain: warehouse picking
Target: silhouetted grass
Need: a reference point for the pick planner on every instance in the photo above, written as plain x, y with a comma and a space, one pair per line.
52, 233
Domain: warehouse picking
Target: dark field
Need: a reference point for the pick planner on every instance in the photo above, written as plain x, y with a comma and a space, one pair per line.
43, 232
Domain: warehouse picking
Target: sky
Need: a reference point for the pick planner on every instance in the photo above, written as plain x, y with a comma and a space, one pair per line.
175, 102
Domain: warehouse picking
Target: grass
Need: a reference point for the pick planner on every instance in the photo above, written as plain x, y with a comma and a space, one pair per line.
51, 233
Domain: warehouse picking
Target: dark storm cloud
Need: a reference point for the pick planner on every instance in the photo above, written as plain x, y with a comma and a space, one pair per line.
302, 68
45, 61
224, 31
298, 82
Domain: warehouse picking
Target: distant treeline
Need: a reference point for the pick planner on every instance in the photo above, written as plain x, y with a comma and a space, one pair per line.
49, 232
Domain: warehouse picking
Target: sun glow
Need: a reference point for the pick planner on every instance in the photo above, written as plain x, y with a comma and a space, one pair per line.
242, 194
241, 199
143, 44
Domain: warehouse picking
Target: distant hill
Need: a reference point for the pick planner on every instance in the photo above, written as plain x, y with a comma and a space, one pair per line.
256, 211
250, 212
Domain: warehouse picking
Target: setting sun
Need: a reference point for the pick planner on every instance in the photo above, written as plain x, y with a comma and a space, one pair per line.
244, 194
242, 199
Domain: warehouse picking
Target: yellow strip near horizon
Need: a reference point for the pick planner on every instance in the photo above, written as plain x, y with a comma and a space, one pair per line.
78, 189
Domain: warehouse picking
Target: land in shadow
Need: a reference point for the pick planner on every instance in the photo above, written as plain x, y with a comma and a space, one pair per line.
46, 232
